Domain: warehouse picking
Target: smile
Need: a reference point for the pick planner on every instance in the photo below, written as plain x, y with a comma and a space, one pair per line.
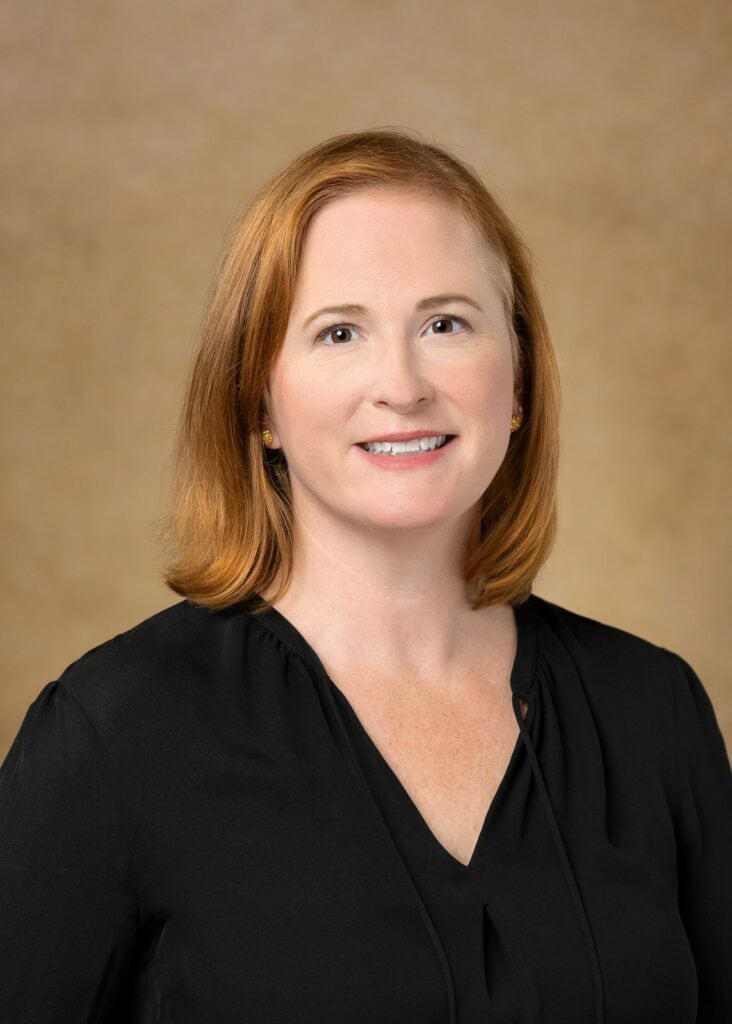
414, 446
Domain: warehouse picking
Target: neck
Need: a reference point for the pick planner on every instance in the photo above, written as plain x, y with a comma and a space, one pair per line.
393, 604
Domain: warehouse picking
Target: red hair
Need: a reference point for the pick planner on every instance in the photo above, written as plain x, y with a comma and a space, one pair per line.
228, 531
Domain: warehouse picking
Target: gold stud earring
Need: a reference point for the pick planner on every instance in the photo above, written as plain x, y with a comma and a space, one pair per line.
267, 438
515, 423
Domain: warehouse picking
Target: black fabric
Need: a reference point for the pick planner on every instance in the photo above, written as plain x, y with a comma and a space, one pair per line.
195, 827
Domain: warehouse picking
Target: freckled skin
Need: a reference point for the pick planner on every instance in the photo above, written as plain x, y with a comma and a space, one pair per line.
377, 583
391, 369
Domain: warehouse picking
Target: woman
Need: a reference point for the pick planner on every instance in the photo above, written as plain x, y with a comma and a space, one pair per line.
361, 773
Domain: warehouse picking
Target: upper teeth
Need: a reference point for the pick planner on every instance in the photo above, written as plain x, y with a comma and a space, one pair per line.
400, 447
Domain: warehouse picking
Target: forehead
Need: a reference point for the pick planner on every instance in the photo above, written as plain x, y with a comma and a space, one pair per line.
379, 230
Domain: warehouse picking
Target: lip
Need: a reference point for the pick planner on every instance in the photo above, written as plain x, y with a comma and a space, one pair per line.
408, 435
409, 460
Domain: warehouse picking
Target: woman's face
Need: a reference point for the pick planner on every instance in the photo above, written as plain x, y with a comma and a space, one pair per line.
414, 341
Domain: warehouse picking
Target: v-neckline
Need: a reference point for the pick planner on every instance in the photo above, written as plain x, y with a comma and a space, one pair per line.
522, 686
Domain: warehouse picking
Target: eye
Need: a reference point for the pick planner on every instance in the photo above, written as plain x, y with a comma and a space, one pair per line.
444, 324
340, 332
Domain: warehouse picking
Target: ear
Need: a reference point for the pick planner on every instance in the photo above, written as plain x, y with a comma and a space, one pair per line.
267, 425
518, 403
266, 419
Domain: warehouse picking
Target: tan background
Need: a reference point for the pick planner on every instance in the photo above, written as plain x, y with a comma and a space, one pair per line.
132, 132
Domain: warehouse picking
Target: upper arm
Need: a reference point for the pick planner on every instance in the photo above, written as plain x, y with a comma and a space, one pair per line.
704, 839
68, 914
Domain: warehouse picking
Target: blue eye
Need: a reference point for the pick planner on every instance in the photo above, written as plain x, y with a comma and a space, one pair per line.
338, 329
447, 320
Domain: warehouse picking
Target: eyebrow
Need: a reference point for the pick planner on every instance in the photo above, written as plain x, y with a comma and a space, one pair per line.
350, 309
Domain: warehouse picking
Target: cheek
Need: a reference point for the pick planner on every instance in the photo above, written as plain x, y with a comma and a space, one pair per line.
292, 411
487, 391
308, 411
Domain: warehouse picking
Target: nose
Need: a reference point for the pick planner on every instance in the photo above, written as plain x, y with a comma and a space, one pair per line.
401, 379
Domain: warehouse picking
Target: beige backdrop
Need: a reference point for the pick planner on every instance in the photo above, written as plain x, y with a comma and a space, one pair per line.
132, 133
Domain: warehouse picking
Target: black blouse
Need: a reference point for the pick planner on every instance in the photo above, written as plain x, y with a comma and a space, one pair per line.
195, 827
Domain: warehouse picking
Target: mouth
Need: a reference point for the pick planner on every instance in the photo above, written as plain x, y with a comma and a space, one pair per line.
415, 446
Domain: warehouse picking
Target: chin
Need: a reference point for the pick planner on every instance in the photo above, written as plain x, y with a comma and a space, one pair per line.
405, 521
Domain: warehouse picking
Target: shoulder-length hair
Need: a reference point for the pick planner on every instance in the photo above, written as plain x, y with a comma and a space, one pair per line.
228, 530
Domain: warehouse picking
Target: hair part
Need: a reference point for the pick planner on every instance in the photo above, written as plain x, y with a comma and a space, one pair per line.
227, 535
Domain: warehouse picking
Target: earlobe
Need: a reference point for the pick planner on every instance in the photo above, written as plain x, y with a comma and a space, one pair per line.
267, 433
517, 416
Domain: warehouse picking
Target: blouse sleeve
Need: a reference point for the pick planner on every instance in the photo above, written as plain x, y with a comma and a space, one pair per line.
68, 917
705, 845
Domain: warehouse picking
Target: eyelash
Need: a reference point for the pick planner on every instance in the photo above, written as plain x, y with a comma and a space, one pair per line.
350, 327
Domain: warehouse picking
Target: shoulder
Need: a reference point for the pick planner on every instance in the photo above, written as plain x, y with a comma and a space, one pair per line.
159, 644
604, 646
163, 667
619, 673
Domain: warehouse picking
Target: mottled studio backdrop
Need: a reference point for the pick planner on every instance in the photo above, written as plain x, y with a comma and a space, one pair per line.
133, 132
